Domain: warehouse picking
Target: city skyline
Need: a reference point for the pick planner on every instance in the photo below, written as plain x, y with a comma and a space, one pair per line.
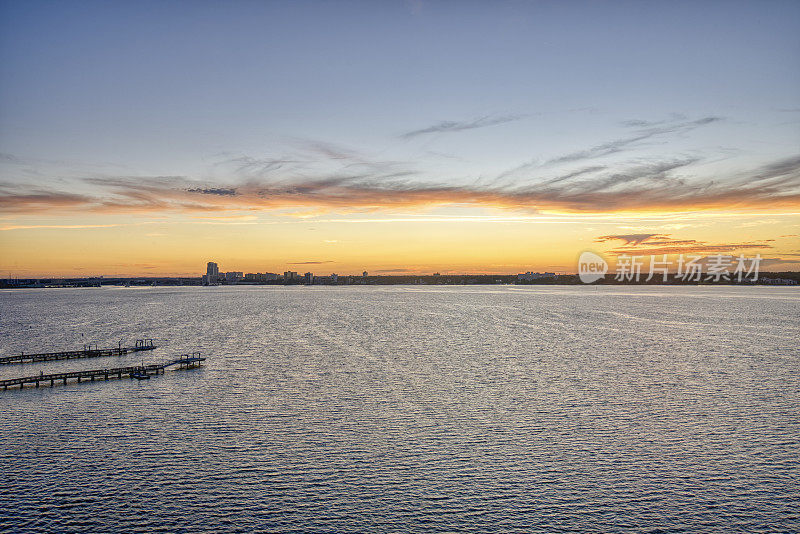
389, 138
405, 266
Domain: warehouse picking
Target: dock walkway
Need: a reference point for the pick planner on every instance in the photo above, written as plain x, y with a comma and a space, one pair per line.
185, 361
87, 352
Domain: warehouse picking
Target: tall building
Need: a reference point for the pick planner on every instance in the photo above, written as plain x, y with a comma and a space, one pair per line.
212, 273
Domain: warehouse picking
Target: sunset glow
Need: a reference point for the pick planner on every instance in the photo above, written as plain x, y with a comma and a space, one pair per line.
113, 163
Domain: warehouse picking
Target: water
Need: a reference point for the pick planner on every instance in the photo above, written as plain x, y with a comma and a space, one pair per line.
409, 409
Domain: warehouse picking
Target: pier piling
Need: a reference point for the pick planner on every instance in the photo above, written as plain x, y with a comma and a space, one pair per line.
89, 351
185, 361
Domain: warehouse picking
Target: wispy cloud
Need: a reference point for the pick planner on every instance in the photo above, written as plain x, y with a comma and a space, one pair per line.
665, 186
56, 226
646, 130
458, 126
773, 262
650, 130
213, 191
310, 262
249, 166
228, 218
10, 158
628, 239
34, 199
330, 150
659, 244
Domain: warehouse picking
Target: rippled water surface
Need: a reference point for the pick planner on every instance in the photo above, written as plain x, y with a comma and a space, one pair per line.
409, 409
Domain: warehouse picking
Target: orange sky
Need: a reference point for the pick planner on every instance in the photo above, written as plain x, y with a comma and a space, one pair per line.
468, 240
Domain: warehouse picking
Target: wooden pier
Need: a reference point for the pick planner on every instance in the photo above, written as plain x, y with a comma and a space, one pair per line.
89, 351
186, 361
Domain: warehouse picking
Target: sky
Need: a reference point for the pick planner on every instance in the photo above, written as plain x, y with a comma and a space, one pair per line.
147, 138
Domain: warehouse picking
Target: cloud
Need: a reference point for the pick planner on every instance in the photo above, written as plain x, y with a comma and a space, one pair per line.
247, 165
310, 262
330, 150
458, 126
229, 217
561, 178
35, 200
653, 186
56, 226
650, 130
636, 123
646, 131
629, 239
782, 171
213, 191
10, 158
659, 244
771, 262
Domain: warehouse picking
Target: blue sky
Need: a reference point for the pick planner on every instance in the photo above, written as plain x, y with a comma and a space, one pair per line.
164, 87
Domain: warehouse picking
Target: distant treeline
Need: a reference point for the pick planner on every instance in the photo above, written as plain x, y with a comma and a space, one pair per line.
765, 278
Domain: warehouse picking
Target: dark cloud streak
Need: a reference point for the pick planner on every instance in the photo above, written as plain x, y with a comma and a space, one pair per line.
458, 126
629, 239
375, 186
618, 145
213, 191
659, 244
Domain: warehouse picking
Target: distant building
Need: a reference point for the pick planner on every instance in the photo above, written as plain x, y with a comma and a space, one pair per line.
308, 278
778, 281
529, 276
364, 274
260, 277
233, 276
212, 274
334, 278
290, 276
